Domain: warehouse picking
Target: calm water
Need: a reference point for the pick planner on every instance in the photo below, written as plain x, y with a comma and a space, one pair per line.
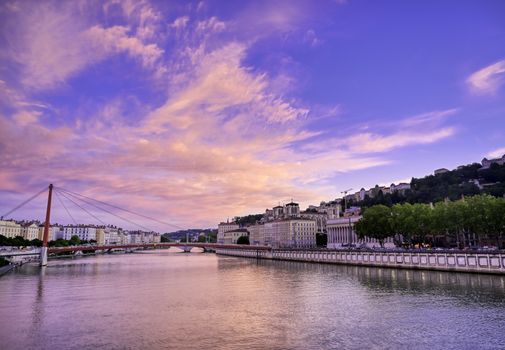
162, 299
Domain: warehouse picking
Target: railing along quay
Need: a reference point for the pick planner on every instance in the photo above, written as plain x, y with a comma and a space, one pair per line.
439, 260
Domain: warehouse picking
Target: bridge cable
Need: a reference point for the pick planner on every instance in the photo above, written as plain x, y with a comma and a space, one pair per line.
111, 213
24, 203
64, 206
103, 223
126, 210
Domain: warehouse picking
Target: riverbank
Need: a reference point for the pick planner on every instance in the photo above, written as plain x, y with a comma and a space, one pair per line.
490, 263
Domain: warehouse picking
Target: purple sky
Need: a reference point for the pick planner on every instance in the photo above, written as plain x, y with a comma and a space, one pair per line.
193, 112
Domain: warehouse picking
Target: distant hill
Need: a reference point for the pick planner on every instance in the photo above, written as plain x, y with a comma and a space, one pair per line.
193, 233
466, 180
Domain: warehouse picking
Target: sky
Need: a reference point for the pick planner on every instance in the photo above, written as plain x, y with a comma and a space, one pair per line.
193, 112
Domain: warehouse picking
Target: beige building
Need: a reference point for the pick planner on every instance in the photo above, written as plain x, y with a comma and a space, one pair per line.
257, 234
341, 233
291, 233
231, 237
30, 231
225, 227
10, 229
319, 217
100, 236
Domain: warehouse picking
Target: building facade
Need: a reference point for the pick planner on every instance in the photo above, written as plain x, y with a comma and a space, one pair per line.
231, 237
84, 232
225, 227
29, 231
257, 234
341, 233
291, 233
9, 228
486, 163
54, 233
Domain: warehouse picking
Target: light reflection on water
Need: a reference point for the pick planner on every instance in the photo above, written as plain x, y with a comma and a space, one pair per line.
163, 299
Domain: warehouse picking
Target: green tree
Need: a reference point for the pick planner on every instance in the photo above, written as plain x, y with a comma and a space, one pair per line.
74, 240
423, 219
202, 239
403, 223
36, 242
376, 223
243, 240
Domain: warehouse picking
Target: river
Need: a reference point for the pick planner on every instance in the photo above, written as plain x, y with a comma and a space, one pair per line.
170, 300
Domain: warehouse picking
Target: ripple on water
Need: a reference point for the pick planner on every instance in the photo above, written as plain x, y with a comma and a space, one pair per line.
192, 301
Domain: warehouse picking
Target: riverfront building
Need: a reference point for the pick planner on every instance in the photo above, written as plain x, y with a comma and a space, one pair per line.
231, 237
257, 234
341, 233
84, 232
10, 229
282, 226
29, 231
54, 233
290, 233
225, 227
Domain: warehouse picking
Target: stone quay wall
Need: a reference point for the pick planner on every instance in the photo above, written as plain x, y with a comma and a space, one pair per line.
479, 262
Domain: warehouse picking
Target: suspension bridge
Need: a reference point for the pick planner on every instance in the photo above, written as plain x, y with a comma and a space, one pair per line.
81, 201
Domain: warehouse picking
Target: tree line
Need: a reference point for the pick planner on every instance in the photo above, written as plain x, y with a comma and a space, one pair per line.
19, 241
434, 188
472, 221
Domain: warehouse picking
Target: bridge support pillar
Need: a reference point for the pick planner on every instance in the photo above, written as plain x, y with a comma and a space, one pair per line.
186, 249
43, 256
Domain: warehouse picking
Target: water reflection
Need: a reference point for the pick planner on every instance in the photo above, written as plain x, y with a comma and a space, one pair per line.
161, 299
398, 280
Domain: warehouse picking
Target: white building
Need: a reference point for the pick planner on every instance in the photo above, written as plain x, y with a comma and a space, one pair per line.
84, 232
54, 233
9, 228
318, 217
137, 237
292, 210
29, 231
111, 235
124, 237
225, 227
401, 187
441, 171
486, 163
341, 233
332, 209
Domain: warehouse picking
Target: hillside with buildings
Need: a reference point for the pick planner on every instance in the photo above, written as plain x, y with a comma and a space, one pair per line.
192, 235
286, 226
488, 177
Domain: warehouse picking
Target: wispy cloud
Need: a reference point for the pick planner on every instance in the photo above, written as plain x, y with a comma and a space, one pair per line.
373, 143
53, 41
223, 134
488, 79
496, 153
